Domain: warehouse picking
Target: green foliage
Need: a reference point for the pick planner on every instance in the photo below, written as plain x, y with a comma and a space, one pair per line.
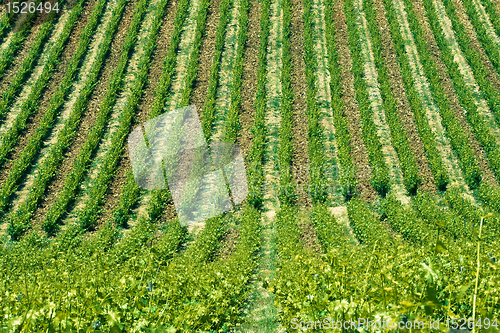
441, 177
488, 44
466, 95
29, 106
72, 181
286, 138
8, 54
34, 144
398, 135
366, 226
380, 171
255, 159
342, 134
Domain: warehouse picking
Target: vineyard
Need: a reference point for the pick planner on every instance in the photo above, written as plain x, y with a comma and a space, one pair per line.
370, 135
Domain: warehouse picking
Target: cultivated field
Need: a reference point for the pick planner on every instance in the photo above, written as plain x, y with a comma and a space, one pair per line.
370, 132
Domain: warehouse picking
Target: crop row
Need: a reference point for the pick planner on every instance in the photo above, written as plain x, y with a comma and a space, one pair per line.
130, 191
441, 176
491, 95
78, 170
159, 197
5, 24
20, 223
380, 171
232, 117
398, 134
342, 134
27, 66
97, 193
55, 104
484, 34
259, 131
492, 10
467, 100
315, 143
29, 105
209, 106
8, 54
286, 138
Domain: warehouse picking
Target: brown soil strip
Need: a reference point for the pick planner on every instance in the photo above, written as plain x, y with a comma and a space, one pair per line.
358, 152
475, 44
449, 90
90, 115
309, 238
300, 161
51, 88
228, 245
154, 75
404, 110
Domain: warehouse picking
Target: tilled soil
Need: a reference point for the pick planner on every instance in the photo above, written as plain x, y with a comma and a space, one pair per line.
142, 113
405, 112
309, 238
450, 93
300, 163
90, 115
227, 244
52, 86
351, 112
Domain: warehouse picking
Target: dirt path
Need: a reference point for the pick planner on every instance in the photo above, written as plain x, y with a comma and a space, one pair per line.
383, 131
359, 153
465, 70
423, 89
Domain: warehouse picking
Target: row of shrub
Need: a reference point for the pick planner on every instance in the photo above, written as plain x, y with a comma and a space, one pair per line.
75, 177
255, 158
418, 104
19, 221
30, 104
340, 121
9, 53
479, 23
379, 168
468, 101
97, 192
209, 106
34, 145
399, 137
